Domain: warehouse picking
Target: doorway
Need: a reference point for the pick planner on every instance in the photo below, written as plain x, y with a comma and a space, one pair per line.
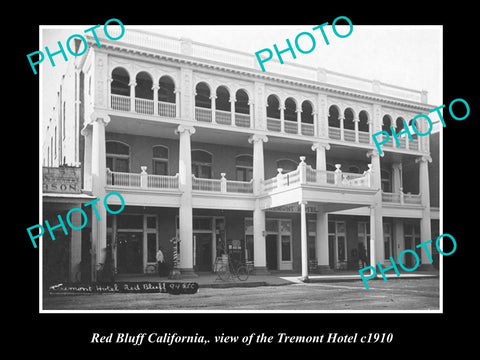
129, 252
272, 251
203, 251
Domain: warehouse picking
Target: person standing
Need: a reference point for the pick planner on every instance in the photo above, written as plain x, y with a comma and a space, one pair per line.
160, 262
362, 254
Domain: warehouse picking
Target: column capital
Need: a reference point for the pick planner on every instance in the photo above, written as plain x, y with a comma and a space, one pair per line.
232, 99
183, 128
373, 153
155, 87
257, 137
102, 117
132, 83
303, 202
423, 158
212, 97
319, 145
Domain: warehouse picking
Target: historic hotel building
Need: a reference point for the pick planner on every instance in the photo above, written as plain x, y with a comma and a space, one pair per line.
277, 168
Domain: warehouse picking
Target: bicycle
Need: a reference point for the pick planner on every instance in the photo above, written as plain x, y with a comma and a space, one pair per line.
231, 270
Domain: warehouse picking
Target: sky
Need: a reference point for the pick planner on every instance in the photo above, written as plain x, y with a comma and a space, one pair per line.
407, 56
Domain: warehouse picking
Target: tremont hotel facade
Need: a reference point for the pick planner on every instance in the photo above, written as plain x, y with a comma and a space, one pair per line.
277, 167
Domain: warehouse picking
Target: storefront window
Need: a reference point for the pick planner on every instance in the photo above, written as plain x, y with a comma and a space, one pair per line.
152, 247
130, 221
286, 248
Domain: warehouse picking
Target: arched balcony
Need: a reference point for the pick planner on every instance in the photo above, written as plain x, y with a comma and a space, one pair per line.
143, 95
274, 122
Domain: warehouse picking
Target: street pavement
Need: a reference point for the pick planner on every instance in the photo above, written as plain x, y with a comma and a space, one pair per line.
398, 294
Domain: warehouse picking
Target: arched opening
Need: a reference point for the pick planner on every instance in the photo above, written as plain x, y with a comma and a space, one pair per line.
166, 97
413, 144
160, 160
387, 122
222, 106
334, 122
290, 116
273, 113
203, 103
144, 93
244, 167
349, 125
202, 164
242, 109
307, 118
120, 89
386, 181
363, 128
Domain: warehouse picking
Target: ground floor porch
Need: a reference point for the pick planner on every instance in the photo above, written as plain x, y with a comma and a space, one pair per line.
335, 242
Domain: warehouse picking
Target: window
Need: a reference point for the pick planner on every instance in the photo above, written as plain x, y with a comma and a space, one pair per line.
286, 240
152, 247
202, 164
363, 121
311, 233
241, 105
348, 121
160, 160
290, 112
307, 112
386, 181
387, 122
118, 156
143, 89
387, 239
244, 167
333, 117
222, 102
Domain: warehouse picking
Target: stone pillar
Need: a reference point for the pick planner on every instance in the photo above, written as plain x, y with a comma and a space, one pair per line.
259, 117
376, 216
185, 95
87, 158
425, 221
186, 210
250, 113
355, 123
321, 160
299, 121
303, 240
132, 95
99, 215
214, 112
282, 117
342, 127
321, 241
177, 102
259, 246
398, 236
232, 110
155, 88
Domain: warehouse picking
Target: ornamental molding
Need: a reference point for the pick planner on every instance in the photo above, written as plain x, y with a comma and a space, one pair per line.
285, 79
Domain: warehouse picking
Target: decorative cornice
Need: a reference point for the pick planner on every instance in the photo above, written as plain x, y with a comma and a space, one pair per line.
287, 79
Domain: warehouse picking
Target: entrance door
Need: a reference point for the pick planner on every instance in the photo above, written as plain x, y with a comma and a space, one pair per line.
203, 252
130, 252
271, 249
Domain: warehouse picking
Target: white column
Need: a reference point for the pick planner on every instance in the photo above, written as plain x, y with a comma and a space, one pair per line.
282, 117
99, 225
232, 110
186, 210
155, 88
212, 99
342, 127
259, 246
132, 95
87, 157
250, 113
373, 233
177, 102
321, 241
299, 121
304, 244
321, 160
376, 216
425, 221
355, 123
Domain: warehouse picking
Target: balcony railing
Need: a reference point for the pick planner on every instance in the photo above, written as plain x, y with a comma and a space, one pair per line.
308, 129
142, 180
222, 117
222, 185
305, 174
274, 124
401, 198
142, 106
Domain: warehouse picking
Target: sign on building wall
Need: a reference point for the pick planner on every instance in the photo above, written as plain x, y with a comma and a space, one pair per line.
62, 180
